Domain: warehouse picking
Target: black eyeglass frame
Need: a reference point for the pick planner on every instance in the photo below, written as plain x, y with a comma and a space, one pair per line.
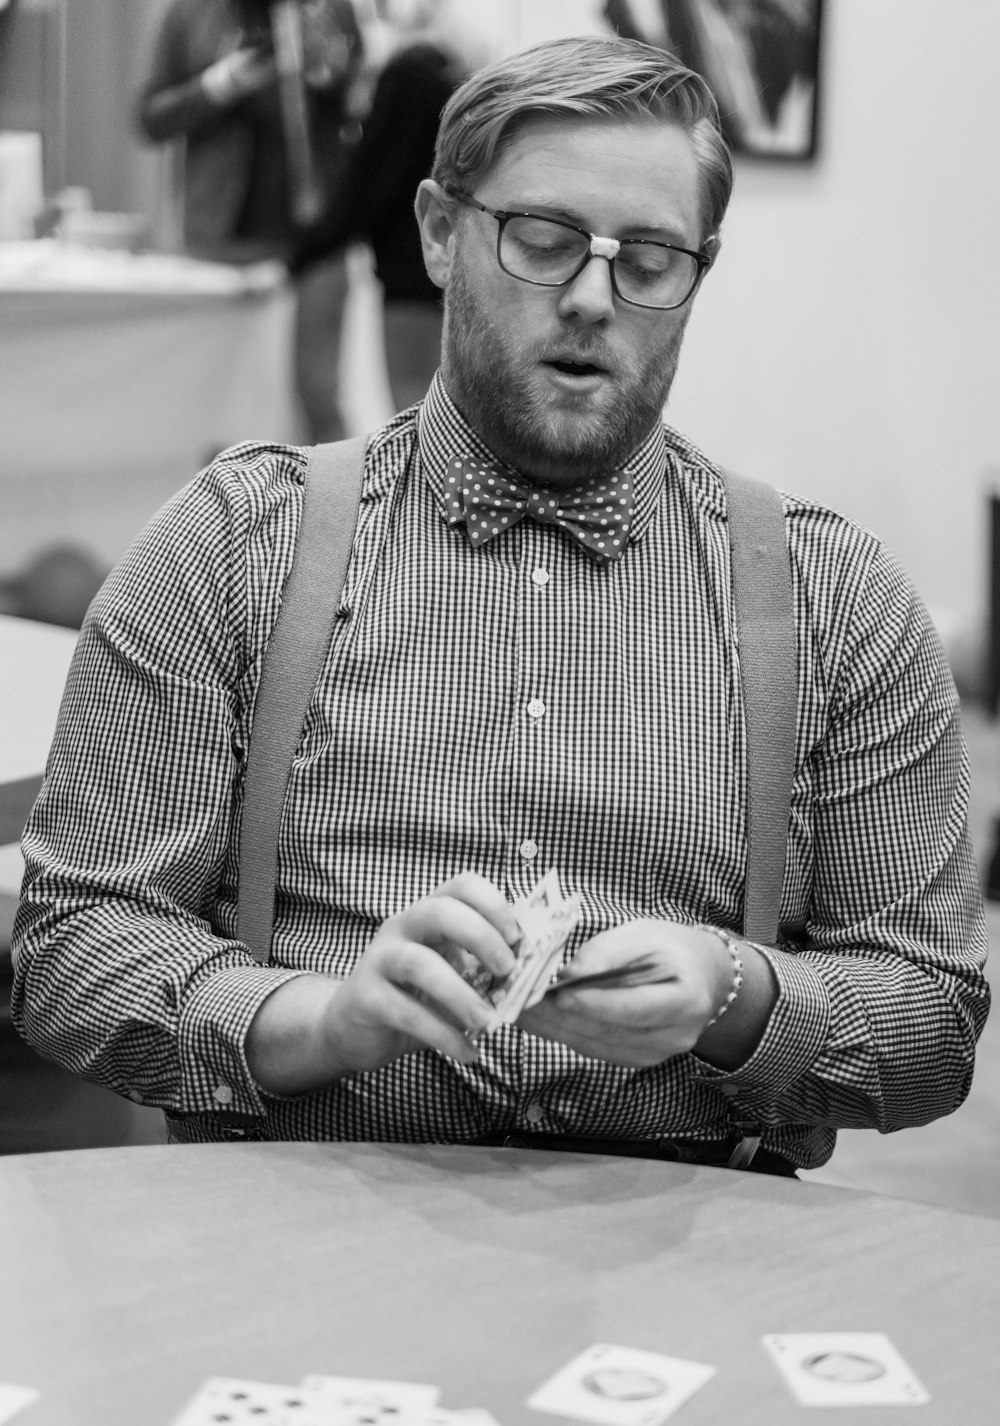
504, 215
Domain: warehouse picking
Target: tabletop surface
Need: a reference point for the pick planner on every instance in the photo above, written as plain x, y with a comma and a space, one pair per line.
132, 1275
34, 660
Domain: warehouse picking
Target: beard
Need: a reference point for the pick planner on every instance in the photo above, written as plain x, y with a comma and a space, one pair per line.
557, 439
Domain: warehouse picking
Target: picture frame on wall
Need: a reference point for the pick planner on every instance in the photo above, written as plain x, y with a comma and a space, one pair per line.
760, 57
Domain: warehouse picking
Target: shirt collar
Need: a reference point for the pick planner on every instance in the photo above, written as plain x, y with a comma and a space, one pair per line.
443, 432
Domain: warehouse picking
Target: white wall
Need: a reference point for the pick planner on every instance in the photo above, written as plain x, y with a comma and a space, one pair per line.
846, 345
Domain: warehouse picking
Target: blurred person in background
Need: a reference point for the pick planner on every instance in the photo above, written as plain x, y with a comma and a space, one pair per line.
429, 55
253, 180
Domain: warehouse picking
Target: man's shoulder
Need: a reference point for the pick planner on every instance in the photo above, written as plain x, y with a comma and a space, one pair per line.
249, 480
270, 474
813, 528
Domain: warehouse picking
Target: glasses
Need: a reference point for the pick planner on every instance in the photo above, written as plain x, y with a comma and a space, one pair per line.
550, 253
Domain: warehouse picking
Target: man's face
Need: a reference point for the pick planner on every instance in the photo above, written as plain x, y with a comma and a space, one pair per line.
506, 343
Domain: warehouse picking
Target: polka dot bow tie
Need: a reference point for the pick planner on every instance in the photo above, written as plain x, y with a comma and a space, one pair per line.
598, 515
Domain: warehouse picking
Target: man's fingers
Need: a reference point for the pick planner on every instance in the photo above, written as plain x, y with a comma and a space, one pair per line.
637, 1046
635, 1010
479, 893
428, 980
411, 1012
445, 922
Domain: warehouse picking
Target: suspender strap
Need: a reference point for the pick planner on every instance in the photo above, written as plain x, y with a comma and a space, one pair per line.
292, 663
762, 596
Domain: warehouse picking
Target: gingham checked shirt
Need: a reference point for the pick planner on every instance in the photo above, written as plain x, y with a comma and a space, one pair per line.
505, 709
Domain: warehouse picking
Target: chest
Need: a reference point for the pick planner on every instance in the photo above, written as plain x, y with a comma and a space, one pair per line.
519, 705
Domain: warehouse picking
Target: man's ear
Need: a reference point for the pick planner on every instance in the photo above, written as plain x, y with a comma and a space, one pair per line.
436, 218
712, 245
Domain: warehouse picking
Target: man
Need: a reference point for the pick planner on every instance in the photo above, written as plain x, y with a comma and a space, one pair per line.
547, 680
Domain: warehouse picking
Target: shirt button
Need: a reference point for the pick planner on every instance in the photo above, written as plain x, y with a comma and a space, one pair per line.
528, 849
729, 1090
135, 1096
222, 1094
540, 577
534, 1113
536, 708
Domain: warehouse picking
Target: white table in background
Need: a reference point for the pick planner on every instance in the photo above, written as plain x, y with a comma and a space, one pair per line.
120, 374
34, 661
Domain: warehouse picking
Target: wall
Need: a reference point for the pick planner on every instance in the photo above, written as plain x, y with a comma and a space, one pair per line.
845, 346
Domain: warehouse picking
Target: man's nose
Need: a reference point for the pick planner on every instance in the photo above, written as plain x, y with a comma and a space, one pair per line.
590, 295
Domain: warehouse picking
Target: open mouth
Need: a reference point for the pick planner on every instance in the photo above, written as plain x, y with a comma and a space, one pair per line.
578, 368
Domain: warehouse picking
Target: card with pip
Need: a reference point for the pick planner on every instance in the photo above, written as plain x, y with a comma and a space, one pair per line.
380, 1402
844, 1369
229, 1401
620, 1386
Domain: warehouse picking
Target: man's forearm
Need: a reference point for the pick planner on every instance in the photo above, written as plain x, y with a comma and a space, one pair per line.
288, 1044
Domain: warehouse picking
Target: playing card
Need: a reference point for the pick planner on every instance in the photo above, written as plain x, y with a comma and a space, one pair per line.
371, 1402
547, 921
13, 1398
229, 1401
643, 969
844, 1369
620, 1386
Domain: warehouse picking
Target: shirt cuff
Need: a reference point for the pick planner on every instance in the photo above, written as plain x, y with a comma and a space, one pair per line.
214, 1022
793, 1040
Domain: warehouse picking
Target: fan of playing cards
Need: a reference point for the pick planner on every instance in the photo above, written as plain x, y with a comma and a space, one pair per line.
547, 920
322, 1401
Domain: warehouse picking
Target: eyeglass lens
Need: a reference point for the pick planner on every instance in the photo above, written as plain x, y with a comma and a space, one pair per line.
548, 253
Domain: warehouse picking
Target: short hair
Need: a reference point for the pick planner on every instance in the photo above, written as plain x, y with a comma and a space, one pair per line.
587, 77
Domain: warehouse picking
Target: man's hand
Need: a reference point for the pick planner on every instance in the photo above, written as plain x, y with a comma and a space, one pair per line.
647, 1024
406, 992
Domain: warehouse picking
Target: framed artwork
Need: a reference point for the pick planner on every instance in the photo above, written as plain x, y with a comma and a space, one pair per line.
760, 57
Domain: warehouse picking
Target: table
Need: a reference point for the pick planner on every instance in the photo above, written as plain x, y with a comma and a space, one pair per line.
120, 375
131, 1275
34, 661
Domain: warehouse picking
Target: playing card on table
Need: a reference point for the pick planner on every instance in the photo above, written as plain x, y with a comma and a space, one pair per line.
370, 1402
13, 1398
620, 1386
844, 1369
230, 1401
547, 921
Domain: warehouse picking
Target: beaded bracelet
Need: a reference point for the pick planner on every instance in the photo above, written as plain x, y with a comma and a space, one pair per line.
732, 948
